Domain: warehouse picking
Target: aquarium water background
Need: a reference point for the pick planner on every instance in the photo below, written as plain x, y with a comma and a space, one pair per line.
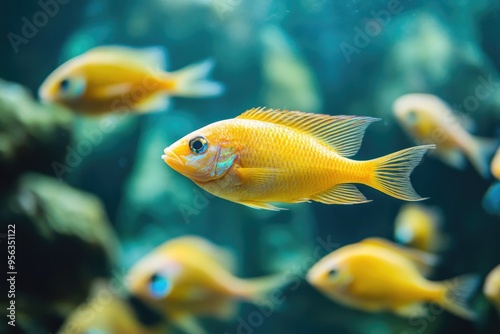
88, 203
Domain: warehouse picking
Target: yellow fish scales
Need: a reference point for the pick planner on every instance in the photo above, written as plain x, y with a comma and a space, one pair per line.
267, 155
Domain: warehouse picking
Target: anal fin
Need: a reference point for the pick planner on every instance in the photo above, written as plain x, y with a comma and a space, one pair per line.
187, 323
415, 310
453, 157
344, 193
155, 103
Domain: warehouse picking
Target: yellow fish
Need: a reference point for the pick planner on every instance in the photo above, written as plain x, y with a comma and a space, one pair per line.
188, 277
419, 226
428, 119
109, 313
117, 78
375, 275
491, 287
495, 165
267, 155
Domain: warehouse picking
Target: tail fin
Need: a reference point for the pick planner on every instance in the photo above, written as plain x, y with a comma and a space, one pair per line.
256, 290
191, 81
480, 153
456, 293
392, 172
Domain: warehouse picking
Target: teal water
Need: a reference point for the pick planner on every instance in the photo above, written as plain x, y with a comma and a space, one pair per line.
89, 203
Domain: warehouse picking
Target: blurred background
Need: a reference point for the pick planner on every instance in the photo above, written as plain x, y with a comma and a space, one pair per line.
88, 204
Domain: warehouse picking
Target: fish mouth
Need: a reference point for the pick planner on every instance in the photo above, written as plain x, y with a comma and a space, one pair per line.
312, 277
172, 159
178, 164
43, 94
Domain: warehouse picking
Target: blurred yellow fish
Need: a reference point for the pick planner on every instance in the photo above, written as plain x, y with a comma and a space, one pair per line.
267, 155
428, 119
495, 165
418, 226
187, 277
375, 275
108, 313
491, 287
117, 78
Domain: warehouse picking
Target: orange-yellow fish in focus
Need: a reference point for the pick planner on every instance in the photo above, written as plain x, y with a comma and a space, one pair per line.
117, 78
419, 226
188, 277
375, 275
109, 313
428, 119
491, 287
266, 155
495, 165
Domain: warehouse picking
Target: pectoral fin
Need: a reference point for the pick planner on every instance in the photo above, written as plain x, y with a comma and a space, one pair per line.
257, 177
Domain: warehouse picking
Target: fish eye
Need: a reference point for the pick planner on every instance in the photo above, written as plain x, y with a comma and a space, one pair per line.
64, 84
72, 87
198, 145
333, 273
412, 116
159, 286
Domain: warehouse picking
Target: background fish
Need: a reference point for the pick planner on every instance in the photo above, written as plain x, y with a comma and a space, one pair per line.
188, 277
491, 287
419, 226
107, 312
267, 155
373, 275
428, 119
118, 78
324, 56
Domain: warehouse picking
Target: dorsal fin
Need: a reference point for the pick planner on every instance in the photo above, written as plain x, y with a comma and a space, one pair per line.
205, 247
153, 56
424, 262
343, 133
